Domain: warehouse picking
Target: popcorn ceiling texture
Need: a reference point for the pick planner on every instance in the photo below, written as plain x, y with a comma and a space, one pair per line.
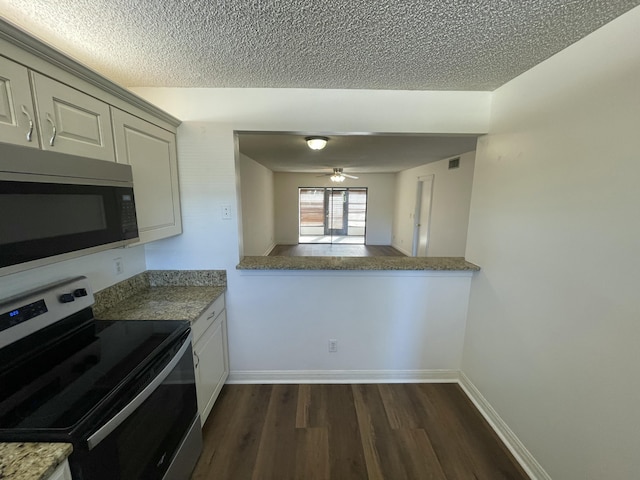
368, 44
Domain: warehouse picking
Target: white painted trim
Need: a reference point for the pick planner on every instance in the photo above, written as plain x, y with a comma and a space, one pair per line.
342, 376
401, 250
510, 440
268, 250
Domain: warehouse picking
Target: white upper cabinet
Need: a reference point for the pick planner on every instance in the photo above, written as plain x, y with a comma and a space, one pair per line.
17, 122
51, 102
71, 121
151, 152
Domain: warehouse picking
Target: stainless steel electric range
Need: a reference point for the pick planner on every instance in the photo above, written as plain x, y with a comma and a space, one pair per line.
122, 392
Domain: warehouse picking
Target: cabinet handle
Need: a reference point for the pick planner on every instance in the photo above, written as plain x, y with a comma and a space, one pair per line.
197, 360
53, 130
213, 314
30, 132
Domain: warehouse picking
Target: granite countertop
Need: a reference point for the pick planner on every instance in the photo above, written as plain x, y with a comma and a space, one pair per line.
164, 303
357, 263
31, 461
161, 295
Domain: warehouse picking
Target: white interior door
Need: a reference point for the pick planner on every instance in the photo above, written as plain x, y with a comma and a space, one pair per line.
422, 216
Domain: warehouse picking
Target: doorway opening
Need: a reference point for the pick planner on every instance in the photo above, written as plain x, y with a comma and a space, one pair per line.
422, 216
332, 215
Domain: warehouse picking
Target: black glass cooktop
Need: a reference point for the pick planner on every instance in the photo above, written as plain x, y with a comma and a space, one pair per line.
55, 381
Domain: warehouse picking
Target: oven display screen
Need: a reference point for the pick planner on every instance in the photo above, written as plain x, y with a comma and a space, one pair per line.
22, 314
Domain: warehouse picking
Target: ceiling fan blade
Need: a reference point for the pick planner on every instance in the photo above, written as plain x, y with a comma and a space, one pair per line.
349, 176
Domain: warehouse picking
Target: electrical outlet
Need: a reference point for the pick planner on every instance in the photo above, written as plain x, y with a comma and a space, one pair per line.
333, 345
118, 266
226, 212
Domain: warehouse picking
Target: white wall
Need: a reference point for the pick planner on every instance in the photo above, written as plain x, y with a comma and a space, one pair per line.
553, 327
449, 207
257, 207
380, 194
206, 150
207, 175
382, 321
99, 268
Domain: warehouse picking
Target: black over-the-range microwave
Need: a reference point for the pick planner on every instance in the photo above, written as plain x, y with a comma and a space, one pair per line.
55, 206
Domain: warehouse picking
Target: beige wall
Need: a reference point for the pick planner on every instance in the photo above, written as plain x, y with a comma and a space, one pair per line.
257, 201
450, 201
381, 190
553, 327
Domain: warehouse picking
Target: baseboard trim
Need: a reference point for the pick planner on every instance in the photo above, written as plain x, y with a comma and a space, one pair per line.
268, 250
342, 376
510, 440
402, 250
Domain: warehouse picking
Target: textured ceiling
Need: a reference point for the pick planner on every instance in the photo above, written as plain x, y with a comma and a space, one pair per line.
372, 44
355, 153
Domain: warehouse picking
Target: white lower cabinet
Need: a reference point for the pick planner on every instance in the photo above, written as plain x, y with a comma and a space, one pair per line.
211, 360
61, 473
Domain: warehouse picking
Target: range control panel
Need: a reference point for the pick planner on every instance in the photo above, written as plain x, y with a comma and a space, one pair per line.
22, 314
26, 313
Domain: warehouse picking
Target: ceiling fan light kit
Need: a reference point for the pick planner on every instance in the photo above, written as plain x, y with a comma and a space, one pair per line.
316, 143
338, 176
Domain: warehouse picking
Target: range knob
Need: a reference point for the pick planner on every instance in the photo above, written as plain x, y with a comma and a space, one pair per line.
66, 298
80, 292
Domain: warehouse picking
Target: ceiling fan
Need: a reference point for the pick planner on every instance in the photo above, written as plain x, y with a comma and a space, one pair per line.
338, 175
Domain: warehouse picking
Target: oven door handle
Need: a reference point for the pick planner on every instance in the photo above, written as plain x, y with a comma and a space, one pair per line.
123, 414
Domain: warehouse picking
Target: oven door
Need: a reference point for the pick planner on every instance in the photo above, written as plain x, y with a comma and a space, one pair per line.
155, 435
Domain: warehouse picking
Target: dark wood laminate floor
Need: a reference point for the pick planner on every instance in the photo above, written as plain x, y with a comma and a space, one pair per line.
335, 250
344, 432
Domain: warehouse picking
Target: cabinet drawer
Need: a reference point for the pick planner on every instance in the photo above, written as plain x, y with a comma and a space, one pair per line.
207, 318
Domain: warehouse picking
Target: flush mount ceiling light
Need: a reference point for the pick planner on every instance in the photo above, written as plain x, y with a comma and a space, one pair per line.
316, 143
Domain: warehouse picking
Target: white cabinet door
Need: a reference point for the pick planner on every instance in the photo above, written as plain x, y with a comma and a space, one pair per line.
151, 152
17, 121
212, 362
71, 121
61, 473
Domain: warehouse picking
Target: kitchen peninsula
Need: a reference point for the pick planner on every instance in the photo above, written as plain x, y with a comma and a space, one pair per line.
357, 263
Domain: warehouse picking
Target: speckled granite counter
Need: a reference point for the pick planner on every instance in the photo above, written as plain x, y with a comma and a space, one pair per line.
31, 461
161, 295
357, 263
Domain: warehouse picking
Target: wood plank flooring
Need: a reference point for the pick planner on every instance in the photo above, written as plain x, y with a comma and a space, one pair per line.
344, 432
335, 250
